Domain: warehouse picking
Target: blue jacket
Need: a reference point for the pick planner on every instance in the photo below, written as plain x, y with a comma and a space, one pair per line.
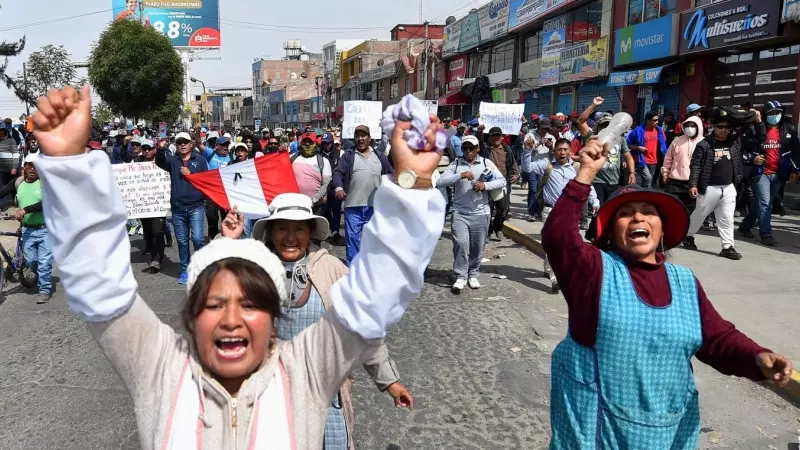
636, 137
184, 195
344, 170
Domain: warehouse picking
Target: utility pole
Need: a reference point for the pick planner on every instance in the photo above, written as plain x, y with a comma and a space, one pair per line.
141, 12
25, 86
425, 65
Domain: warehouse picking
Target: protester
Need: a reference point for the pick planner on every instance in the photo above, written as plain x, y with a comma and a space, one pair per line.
645, 142
668, 124
623, 375
332, 208
311, 272
716, 170
500, 154
153, 228
35, 237
455, 141
537, 145
188, 204
693, 110
312, 170
773, 161
554, 173
678, 161
240, 152
472, 178
228, 365
356, 179
10, 157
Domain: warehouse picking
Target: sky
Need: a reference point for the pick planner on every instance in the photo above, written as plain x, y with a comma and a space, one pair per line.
250, 29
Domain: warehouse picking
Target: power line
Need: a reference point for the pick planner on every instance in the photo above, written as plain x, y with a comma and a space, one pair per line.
60, 19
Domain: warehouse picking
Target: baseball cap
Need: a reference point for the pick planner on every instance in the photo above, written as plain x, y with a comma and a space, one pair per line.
363, 128
239, 145
147, 143
535, 117
693, 107
469, 140
32, 158
94, 145
309, 135
222, 140
327, 138
545, 123
213, 135
462, 126
495, 130
183, 135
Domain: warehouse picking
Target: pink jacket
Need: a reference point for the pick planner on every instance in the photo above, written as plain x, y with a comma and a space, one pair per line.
678, 160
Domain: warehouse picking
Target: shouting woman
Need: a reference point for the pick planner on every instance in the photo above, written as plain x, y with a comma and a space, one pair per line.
227, 383
622, 378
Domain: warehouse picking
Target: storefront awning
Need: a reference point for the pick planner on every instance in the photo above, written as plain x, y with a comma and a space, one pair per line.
634, 77
454, 98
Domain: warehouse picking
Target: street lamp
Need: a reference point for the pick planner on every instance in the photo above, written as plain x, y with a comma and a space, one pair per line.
203, 106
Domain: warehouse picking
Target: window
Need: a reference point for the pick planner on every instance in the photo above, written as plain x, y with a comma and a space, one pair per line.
532, 47
379, 95
393, 88
784, 51
640, 11
584, 23
479, 64
407, 85
420, 73
502, 57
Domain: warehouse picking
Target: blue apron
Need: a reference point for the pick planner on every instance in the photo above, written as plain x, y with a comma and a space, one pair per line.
635, 388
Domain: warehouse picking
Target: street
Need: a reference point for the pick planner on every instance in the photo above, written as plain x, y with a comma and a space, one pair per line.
478, 365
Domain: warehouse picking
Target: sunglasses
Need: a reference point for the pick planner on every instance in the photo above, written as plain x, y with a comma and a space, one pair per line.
182, 142
274, 144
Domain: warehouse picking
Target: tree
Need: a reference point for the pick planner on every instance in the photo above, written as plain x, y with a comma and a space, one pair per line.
169, 111
49, 68
135, 70
7, 50
102, 114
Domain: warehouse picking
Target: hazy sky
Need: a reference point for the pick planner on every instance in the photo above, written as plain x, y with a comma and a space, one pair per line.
250, 29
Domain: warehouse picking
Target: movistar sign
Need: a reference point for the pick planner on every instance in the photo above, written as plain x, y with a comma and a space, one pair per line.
729, 23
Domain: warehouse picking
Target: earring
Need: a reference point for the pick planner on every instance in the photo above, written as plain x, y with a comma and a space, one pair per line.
661, 244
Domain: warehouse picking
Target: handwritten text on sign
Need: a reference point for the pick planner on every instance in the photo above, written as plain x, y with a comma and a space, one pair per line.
145, 189
507, 117
362, 113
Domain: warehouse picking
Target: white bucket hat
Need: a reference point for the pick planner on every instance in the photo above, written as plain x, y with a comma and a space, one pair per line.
295, 207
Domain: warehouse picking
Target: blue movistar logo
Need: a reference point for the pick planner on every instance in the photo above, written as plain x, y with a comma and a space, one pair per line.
698, 32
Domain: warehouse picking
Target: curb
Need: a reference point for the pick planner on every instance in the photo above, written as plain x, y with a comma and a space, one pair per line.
792, 390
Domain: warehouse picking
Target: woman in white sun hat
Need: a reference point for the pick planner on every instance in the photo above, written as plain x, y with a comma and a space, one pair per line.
226, 382
310, 272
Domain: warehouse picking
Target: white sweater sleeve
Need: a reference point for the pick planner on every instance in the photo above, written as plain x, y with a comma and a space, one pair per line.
86, 217
396, 246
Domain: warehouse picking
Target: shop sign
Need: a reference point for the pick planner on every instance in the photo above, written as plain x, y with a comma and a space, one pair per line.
729, 23
554, 35
650, 40
523, 12
276, 118
470, 32
791, 11
452, 36
584, 60
493, 19
634, 77
275, 97
456, 72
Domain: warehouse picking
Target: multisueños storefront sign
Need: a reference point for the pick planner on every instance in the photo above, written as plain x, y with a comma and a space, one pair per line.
728, 23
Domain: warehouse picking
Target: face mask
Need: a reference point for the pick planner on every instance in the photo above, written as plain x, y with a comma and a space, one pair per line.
774, 119
308, 150
691, 132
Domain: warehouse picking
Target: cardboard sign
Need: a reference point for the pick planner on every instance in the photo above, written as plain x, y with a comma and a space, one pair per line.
506, 116
145, 189
432, 105
361, 112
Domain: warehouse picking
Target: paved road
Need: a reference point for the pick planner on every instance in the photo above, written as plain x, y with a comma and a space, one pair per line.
477, 363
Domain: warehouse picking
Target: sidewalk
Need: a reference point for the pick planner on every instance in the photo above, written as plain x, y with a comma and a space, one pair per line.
757, 293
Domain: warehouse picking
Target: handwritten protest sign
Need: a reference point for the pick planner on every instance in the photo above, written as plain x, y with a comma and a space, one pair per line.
362, 113
145, 189
507, 117
432, 105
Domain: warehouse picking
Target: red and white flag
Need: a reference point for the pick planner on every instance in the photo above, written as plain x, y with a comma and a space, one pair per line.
250, 185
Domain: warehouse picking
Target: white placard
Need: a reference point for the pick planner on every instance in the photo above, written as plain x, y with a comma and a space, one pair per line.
432, 105
362, 113
145, 189
506, 116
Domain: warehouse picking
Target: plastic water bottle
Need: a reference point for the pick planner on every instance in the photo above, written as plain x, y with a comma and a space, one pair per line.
620, 123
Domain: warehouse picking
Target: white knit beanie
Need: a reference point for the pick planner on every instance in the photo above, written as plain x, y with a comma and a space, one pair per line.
249, 249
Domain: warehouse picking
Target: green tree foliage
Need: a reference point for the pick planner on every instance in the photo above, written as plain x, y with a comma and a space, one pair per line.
168, 111
102, 114
7, 50
135, 70
49, 68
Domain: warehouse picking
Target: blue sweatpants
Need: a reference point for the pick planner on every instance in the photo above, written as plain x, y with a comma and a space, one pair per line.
355, 217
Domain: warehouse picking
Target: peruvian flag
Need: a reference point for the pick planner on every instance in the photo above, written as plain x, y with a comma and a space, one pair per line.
250, 185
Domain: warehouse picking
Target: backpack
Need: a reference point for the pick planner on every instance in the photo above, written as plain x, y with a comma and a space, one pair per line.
320, 162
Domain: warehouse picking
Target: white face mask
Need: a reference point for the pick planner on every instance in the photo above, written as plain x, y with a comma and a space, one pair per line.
691, 132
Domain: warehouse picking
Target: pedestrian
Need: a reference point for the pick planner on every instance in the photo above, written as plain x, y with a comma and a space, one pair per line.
678, 161
623, 375
10, 157
36, 246
240, 152
693, 110
472, 178
502, 157
716, 170
332, 208
290, 232
773, 166
356, 178
187, 203
554, 173
537, 145
646, 142
153, 228
217, 156
227, 373
457, 138
312, 171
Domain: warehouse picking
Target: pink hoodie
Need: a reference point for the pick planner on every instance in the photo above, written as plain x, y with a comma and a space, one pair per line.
677, 162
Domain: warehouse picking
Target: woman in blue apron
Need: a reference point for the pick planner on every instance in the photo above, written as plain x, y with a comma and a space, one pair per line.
622, 378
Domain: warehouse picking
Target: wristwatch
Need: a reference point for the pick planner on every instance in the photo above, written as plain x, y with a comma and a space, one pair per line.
408, 179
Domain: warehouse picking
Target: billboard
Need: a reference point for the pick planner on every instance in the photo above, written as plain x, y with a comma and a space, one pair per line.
645, 41
522, 12
725, 24
187, 23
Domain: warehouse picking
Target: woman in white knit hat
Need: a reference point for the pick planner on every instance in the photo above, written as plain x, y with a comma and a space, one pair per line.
228, 383
310, 272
